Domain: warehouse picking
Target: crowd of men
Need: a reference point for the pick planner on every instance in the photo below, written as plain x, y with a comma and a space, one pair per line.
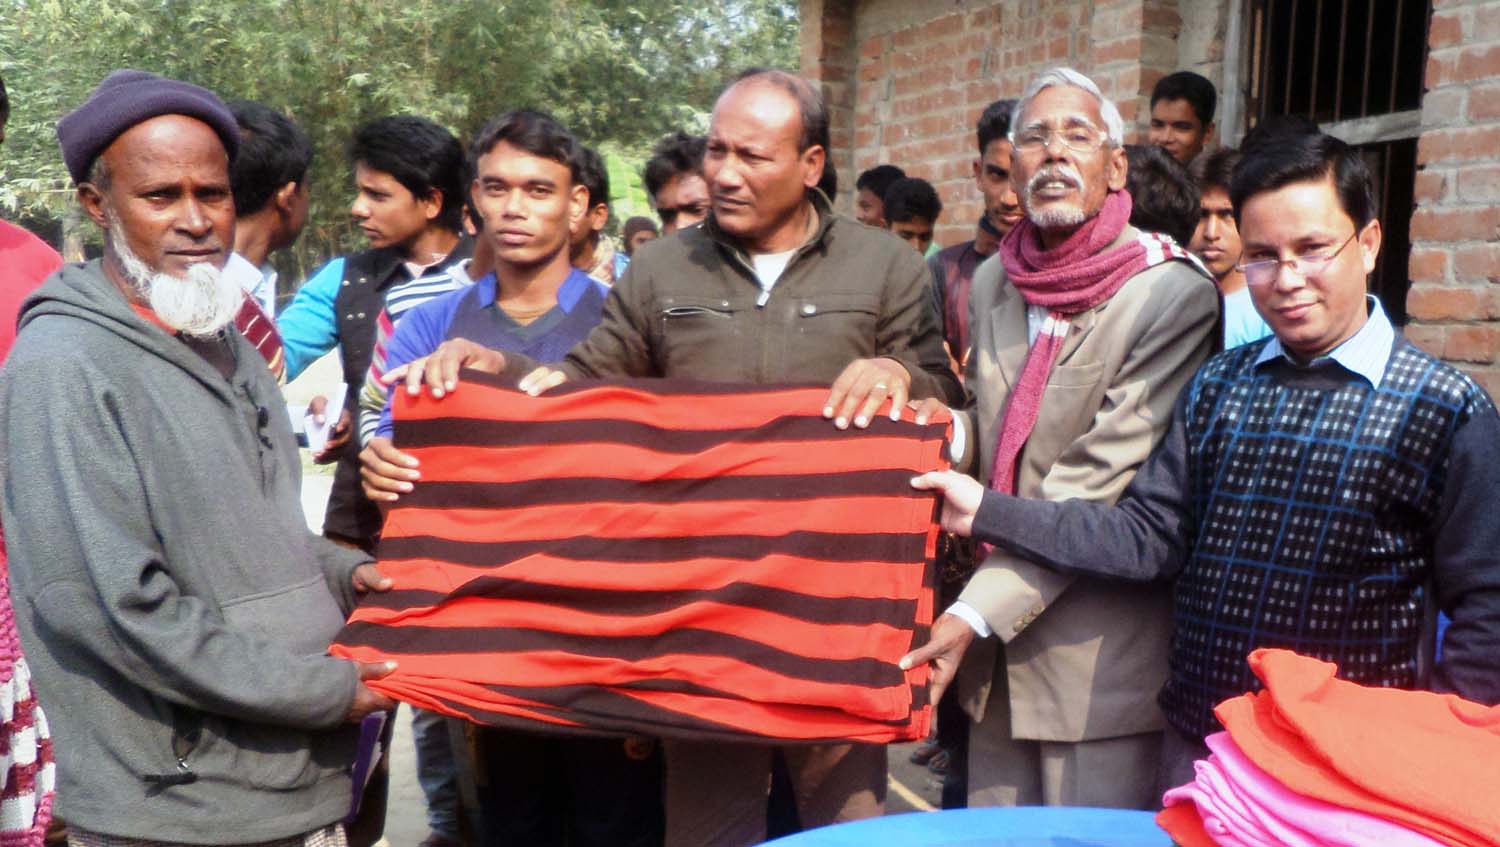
1182, 430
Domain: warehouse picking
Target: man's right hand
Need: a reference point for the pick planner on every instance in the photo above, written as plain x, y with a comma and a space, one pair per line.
947, 641
387, 473
367, 700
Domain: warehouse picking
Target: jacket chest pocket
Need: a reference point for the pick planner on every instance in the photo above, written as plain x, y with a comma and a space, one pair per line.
831, 330
695, 334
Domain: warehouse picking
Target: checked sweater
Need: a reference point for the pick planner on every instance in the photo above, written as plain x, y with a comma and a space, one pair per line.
1302, 507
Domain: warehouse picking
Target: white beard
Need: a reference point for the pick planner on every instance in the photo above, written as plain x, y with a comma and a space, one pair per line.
1055, 216
199, 304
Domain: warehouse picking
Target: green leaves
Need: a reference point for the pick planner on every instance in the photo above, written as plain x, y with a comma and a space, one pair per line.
620, 73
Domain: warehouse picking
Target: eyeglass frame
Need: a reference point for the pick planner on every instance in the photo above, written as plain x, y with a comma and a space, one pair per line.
1307, 267
1048, 133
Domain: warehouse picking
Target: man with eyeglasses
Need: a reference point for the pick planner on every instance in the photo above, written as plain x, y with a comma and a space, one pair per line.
1083, 331
674, 179
1325, 490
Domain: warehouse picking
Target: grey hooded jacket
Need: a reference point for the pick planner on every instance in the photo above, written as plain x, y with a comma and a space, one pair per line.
172, 602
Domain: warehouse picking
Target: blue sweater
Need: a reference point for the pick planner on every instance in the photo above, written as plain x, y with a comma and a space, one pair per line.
472, 313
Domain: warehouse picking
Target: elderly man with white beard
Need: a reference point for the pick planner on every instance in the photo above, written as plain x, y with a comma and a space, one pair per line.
174, 606
1084, 331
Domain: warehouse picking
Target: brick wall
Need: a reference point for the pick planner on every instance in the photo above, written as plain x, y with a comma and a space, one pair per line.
923, 72
1454, 301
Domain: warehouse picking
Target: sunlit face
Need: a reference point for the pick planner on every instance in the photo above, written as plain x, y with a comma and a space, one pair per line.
1310, 314
1175, 128
167, 199
1060, 187
682, 202
992, 174
758, 177
529, 205
387, 213
1216, 240
914, 231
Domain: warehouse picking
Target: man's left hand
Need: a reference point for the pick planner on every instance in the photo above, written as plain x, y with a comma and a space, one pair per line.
338, 438
863, 386
367, 577
950, 638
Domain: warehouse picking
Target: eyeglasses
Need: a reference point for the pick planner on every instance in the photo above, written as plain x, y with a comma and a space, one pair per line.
1079, 139
1265, 271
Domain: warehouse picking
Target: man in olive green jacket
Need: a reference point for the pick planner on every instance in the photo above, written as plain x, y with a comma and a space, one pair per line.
774, 287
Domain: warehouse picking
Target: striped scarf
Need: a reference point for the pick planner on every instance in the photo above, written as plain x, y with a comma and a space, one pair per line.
683, 560
1073, 277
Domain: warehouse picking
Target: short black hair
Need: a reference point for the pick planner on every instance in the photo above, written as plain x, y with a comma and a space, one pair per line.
4, 103
1275, 128
994, 122
910, 197
1194, 88
419, 154
594, 176
1216, 170
878, 180
1163, 194
673, 156
539, 134
829, 182
810, 105
1306, 157
273, 152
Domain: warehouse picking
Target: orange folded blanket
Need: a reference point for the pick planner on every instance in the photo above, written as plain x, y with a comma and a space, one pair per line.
673, 559
1430, 762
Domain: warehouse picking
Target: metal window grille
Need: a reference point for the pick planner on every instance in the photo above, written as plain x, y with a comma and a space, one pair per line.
1354, 67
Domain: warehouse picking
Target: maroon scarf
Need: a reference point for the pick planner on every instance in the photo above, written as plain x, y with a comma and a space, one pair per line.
1077, 275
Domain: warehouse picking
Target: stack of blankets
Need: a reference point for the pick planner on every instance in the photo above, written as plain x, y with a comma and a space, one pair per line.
1313, 760
681, 560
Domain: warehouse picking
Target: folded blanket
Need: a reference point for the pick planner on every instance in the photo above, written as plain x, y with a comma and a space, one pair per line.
1242, 806
1428, 762
675, 559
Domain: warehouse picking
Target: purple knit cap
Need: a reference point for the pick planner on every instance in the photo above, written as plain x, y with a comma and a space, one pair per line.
128, 97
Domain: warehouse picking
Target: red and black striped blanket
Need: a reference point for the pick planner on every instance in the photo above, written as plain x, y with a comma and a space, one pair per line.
674, 559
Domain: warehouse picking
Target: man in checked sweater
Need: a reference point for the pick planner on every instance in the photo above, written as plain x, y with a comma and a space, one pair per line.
1325, 490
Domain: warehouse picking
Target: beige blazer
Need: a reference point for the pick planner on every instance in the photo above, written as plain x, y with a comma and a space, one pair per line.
1084, 658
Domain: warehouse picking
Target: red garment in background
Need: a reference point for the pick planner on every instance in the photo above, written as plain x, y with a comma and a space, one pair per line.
672, 559
25, 261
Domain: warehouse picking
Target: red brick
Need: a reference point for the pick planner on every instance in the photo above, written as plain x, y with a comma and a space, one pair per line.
1446, 30
1430, 186
872, 48
1446, 303
1429, 337
1161, 17
1119, 50
1455, 224
1476, 262
1484, 103
1428, 264
1476, 63
1472, 343
1441, 68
